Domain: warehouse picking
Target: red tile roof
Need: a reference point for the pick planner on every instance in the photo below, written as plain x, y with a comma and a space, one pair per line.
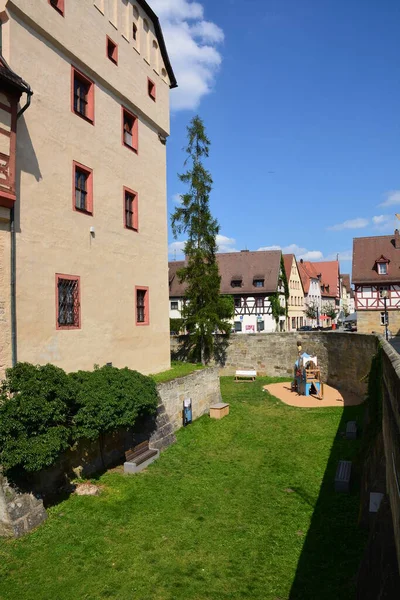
246, 266
307, 272
330, 272
367, 250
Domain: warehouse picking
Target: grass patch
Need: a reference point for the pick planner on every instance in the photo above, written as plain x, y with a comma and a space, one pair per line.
238, 508
178, 369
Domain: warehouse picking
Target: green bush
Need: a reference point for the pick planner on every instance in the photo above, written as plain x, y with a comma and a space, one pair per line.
43, 410
34, 409
110, 398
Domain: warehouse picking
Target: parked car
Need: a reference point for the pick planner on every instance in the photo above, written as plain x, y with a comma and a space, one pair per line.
305, 328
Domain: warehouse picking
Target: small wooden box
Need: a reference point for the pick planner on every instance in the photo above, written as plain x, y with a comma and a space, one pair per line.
219, 410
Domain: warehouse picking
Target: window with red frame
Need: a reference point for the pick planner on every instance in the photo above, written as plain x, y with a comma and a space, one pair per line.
142, 306
151, 88
68, 302
131, 209
129, 130
82, 95
58, 5
112, 51
83, 190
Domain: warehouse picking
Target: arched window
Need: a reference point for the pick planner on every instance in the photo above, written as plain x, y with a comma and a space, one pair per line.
146, 40
154, 57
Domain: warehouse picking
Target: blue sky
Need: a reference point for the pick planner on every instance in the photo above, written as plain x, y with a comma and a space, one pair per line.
301, 101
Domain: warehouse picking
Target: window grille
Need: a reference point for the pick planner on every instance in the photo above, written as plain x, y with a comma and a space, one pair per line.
141, 306
68, 302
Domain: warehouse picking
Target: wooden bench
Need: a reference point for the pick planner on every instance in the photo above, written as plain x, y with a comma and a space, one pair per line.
139, 457
219, 410
245, 375
351, 430
343, 475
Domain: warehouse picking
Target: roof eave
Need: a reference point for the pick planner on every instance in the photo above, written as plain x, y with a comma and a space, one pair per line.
163, 48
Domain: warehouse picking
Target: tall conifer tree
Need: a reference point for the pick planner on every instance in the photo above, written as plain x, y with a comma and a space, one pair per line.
204, 311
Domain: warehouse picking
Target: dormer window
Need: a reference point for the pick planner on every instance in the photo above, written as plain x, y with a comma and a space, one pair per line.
236, 283
259, 283
382, 268
382, 265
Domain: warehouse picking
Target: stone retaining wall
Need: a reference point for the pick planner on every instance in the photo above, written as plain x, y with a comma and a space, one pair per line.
344, 358
21, 512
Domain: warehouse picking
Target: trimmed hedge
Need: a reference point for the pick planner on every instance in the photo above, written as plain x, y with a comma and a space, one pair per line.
44, 410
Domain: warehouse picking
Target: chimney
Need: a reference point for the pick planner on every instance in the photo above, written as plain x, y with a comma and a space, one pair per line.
301, 261
397, 239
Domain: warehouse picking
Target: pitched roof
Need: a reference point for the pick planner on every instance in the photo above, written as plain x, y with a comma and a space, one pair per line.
288, 261
367, 250
329, 271
161, 41
307, 272
11, 79
246, 266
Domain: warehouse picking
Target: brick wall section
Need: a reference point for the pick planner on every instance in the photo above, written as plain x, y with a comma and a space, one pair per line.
344, 358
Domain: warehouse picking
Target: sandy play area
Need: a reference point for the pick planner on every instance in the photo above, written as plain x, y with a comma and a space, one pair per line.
332, 397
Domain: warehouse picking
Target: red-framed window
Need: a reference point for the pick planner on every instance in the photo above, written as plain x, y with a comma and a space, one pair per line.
112, 50
68, 301
131, 212
142, 305
151, 89
82, 188
130, 124
82, 96
58, 5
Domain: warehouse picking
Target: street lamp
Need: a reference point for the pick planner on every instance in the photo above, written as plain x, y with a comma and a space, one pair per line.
384, 295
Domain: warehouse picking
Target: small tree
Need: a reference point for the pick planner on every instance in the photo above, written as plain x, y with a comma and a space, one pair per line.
329, 311
205, 311
311, 311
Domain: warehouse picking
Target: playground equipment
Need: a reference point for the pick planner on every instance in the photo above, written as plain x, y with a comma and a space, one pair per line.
307, 375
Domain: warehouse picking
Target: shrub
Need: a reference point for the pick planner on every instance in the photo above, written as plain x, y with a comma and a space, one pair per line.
110, 398
176, 325
43, 410
34, 409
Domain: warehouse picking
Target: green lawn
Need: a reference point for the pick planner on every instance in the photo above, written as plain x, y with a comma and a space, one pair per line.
238, 508
178, 369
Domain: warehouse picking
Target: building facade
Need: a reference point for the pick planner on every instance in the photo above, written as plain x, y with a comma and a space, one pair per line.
376, 279
252, 278
312, 293
329, 277
89, 213
296, 315
348, 305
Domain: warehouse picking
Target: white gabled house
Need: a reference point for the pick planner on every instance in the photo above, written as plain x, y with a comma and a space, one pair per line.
256, 282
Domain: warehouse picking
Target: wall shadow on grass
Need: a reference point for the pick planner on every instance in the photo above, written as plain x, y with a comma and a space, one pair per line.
328, 565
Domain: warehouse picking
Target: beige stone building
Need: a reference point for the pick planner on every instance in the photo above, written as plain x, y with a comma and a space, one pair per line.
87, 197
296, 308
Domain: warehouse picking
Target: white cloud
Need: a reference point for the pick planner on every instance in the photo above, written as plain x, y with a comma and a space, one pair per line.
384, 223
392, 199
177, 199
192, 47
225, 244
351, 224
298, 251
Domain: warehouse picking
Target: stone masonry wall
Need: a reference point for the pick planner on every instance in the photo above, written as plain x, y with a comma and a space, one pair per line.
344, 358
201, 386
21, 512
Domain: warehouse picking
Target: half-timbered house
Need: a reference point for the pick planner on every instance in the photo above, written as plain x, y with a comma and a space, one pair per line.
252, 278
376, 278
